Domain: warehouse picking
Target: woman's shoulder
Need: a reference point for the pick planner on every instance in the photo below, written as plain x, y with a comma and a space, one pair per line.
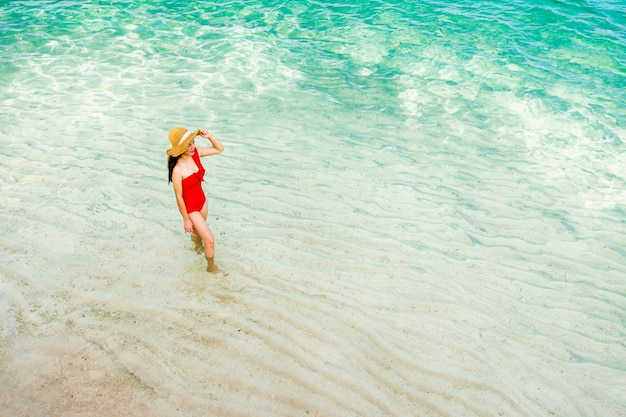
178, 170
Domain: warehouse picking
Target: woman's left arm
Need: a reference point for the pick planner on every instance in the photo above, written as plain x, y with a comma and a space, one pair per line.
217, 145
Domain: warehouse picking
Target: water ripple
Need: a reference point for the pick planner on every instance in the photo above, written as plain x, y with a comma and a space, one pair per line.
420, 208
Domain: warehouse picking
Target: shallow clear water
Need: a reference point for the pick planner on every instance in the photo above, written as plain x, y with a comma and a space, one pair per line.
421, 208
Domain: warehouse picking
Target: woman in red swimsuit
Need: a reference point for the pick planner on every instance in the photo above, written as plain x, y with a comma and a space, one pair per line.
187, 173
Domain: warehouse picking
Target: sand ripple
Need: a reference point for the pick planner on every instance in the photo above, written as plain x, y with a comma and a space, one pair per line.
410, 229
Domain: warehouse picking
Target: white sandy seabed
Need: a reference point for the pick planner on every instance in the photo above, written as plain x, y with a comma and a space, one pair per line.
372, 270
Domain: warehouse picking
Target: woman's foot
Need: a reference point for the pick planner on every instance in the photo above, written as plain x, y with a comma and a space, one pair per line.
212, 268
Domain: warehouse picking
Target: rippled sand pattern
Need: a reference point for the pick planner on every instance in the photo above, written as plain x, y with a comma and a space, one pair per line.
409, 229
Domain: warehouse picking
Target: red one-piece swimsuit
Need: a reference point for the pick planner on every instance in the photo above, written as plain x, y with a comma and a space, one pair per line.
193, 195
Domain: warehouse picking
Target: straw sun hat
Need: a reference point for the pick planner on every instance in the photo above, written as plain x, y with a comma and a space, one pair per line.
180, 138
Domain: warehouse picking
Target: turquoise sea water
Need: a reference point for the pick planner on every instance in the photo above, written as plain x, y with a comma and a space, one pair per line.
421, 207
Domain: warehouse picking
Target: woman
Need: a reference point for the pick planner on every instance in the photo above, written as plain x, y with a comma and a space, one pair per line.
187, 173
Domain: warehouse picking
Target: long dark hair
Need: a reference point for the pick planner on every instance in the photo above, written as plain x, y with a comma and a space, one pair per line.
171, 163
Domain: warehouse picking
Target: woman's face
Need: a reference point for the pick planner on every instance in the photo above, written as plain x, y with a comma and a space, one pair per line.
191, 149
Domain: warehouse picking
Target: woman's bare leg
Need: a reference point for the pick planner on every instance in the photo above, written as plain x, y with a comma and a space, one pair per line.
200, 227
197, 240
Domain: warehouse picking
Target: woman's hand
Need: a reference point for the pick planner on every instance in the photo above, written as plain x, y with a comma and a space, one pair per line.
188, 226
217, 145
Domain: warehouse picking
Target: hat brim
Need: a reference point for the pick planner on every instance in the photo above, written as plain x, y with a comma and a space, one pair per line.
180, 149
